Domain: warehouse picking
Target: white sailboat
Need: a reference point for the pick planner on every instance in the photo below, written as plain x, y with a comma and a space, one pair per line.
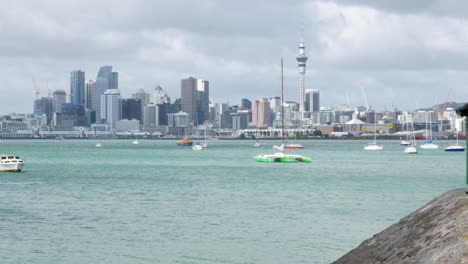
412, 148
98, 145
427, 144
374, 146
135, 142
456, 147
205, 143
197, 146
405, 142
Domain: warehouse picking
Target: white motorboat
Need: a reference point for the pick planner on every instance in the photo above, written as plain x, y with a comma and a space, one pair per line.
429, 145
257, 144
197, 146
135, 142
98, 145
405, 142
373, 146
411, 150
10, 163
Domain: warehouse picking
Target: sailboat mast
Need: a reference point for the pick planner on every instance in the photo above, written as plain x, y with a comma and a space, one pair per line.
282, 102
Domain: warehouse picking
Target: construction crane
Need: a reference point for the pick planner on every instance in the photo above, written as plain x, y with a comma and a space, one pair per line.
36, 88
444, 107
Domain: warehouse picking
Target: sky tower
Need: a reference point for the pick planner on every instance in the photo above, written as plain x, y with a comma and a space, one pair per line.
301, 60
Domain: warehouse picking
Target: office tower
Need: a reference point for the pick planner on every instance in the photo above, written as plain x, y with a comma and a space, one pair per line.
160, 96
203, 101
102, 84
44, 106
143, 96
131, 109
114, 80
72, 115
77, 87
301, 60
163, 110
312, 100
149, 116
261, 113
111, 107
246, 104
189, 98
90, 95
59, 97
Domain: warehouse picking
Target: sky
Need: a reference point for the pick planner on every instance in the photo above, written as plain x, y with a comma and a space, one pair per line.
405, 54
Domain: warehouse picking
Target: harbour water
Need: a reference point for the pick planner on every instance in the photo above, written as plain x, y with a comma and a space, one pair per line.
159, 203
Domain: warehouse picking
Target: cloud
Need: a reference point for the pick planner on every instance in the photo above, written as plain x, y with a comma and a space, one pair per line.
402, 49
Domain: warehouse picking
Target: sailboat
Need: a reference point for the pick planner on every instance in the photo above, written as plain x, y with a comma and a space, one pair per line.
281, 156
456, 147
257, 144
98, 145
412, 148
405, 142
205, 143
427, 144
197, 146
373, 145
135, 142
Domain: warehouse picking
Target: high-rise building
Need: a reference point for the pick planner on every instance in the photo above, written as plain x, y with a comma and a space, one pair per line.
189, 98
114, 80
131, 109
246, 104
143, 96
203, 101
72, 115
163, 110
90, 98
77, 87
301, 60
59, 97
312, 100
102, 84
111, 107
44, 106
160, 96
149, 116
261, 113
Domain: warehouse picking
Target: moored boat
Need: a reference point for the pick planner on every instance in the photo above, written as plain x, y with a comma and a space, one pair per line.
455, 148
185, 142
197, 146
11, 163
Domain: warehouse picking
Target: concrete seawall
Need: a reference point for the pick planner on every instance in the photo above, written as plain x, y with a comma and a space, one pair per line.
435, 233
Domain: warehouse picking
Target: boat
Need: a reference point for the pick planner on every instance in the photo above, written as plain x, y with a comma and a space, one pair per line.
405, 142
427, 144
11, 163
98, 145
374, 146
135, 142
257, 144
197, 146
205, 143
412, 148
185, 142
281, 156
293, 146
455, 148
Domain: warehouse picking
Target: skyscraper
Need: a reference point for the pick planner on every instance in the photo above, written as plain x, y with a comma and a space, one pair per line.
114, 80
261, 113
143, 96
59, 97
102, 84
90, 98
44, 106
77, 87
246, 104
312, 100
131, 109
160, 96
111, 107
301, 60
189, 98
203, 101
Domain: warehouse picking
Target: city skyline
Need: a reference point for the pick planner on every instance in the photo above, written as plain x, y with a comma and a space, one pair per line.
405, 55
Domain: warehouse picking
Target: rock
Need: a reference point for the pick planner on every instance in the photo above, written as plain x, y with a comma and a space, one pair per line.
435, 233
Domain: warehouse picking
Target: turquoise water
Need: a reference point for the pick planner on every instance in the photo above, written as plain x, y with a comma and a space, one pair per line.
159, 203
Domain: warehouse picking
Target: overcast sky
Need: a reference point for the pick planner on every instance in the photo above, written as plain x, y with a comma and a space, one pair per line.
405, 53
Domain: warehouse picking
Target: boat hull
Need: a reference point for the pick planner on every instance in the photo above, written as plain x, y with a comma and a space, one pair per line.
282, 158
185, 144
458, 149
411, 150
13, 167
429, 146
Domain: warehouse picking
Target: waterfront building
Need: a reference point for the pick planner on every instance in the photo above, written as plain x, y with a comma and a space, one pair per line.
111, 107
189, 98
149, 116
59, 97
72, 115
203, 101
90, 95
240, 120
312, 100
127, 125
261, 113
301, 60
102, 84
77, 87
131, 109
